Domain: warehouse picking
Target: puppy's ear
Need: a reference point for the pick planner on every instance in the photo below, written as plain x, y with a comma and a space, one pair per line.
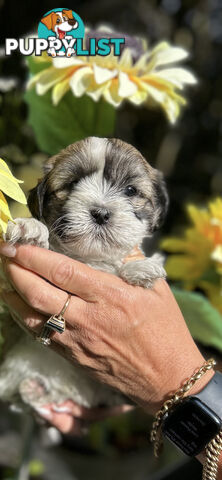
68, 13
48, 21
49, 164
36, 199
160, 200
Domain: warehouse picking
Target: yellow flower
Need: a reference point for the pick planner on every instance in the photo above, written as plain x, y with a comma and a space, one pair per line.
150, 78
198, 259
10, 186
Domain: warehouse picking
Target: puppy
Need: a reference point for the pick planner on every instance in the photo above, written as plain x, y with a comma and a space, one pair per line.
61, 23
98, 199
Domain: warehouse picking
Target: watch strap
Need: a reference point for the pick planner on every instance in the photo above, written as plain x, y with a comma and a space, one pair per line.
211, 395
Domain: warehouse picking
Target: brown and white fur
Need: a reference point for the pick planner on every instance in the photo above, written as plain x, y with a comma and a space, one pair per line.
97, 200
60, 23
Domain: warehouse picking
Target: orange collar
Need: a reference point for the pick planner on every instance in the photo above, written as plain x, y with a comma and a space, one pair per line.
135, 254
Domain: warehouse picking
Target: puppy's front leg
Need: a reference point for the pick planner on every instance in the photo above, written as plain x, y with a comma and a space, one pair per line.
143, 272
27, 230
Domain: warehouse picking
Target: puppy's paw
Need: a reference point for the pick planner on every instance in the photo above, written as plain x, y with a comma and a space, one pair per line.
70, 52
33, 391
51, 52
29, 231
143, 272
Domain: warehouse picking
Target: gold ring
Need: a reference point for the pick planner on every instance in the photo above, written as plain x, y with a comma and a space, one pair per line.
55, 323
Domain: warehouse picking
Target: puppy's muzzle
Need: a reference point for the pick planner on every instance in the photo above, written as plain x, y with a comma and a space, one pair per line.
100, 215
72, 22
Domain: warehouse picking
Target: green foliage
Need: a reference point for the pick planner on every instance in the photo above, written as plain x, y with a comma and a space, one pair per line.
36, 468
203, 320
72, 119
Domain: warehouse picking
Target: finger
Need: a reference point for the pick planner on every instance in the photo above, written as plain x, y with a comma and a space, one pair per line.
65, 423
41, 295
101, 413
21, 311
33, 320
68, 274
91, 414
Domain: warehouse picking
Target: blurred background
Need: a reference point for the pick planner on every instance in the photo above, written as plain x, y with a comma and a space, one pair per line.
189, 155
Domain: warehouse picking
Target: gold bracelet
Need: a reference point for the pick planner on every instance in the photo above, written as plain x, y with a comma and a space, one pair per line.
156, 433
212, 452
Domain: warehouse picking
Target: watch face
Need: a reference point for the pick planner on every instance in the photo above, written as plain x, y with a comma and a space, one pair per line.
191, 426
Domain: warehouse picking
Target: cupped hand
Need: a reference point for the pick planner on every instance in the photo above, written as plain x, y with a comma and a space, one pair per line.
73, 419
132, 339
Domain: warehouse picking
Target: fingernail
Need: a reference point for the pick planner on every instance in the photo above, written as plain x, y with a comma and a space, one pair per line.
58, 409
44, 412
7, 250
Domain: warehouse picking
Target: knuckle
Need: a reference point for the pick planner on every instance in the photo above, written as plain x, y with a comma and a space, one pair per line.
36, 299
62, 273
31, 323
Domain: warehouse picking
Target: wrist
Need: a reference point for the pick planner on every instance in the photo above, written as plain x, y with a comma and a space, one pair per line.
177, 372
195, 422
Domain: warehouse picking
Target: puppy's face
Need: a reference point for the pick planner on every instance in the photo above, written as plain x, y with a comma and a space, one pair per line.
60, 22
99, 198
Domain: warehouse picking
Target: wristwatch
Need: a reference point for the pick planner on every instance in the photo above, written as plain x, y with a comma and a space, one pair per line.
197, 419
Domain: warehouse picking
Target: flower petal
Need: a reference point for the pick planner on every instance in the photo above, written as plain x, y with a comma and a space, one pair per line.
80, 81
172, 109
4, 167
126, 86
142, 61
3, 222
59, 91
217, 254
10, 186
138, 98
111, 94
169, 55
158, 95
48, 78
66, 62
101, 75
4, 206
126, 60
95, 92
177, 76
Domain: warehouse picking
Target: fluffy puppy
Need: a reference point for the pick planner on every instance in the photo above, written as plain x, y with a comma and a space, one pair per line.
98, 199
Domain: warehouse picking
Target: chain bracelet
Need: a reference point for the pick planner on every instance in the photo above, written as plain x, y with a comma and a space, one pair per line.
213, 450
156, 434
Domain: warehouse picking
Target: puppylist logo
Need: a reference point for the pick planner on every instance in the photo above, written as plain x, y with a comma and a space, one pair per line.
61, 32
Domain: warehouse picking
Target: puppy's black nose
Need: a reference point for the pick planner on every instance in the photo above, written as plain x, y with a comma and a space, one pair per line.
72, 22
101, 215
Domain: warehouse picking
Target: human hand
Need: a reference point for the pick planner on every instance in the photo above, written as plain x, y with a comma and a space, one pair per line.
73, 419
133, 339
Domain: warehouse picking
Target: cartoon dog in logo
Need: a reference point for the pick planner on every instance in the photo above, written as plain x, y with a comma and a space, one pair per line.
61, 23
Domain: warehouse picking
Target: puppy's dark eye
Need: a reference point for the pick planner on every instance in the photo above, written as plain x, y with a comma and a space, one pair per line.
73, 183
130, 191
58, 20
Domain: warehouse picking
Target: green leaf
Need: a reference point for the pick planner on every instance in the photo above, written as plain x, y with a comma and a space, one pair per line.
72, 119
203, 320
36, 66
